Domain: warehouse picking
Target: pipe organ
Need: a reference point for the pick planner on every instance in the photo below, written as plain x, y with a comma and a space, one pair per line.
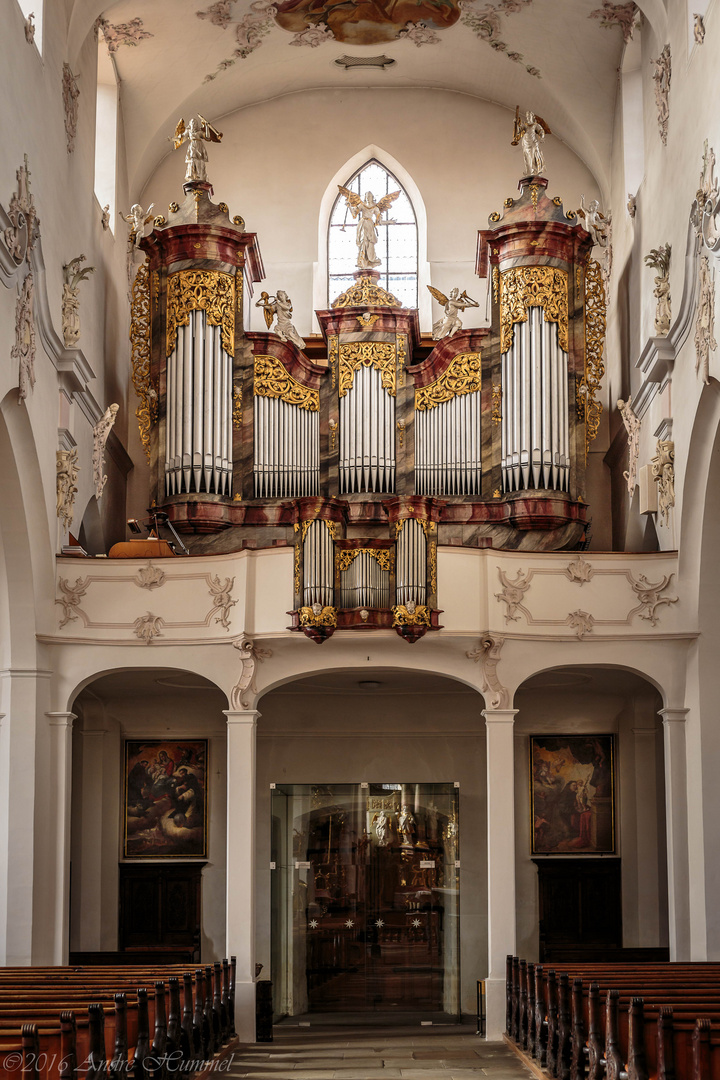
366, 461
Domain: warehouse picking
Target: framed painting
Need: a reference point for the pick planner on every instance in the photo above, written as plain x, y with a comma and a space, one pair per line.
165, 799
572, 794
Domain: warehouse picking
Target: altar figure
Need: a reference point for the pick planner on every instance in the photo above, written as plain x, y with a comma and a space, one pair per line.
280, 307
530, 133
406, 826
195, 134
369, 214
450, 322
383, 827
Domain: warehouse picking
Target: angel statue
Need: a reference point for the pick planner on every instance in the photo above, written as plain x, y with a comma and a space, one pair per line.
530, 133
280, 307
450, 322
595, 222
195, 134
137, 219
370, 214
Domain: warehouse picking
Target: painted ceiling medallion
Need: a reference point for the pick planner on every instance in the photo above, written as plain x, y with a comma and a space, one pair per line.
366, 22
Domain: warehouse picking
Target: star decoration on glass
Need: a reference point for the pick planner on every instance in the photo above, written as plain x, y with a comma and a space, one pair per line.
349, 923
416, 923
313, 924
379, 923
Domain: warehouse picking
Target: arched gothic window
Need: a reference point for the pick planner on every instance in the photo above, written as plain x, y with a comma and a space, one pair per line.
397, 245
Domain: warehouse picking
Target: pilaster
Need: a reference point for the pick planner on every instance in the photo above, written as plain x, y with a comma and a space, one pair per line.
676, 824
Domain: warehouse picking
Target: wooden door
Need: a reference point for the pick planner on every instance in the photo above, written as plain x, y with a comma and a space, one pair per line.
580, 907
160, 906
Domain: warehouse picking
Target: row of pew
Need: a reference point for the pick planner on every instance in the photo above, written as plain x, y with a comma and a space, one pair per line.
139, 1022
616, 1021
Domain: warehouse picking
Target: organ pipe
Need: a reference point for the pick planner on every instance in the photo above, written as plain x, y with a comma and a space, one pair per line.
286, 449
198, 443
535, 423
318, 565
448, 447
411, 563
367, 435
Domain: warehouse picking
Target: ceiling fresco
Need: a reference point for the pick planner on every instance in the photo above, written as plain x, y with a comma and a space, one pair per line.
176, 57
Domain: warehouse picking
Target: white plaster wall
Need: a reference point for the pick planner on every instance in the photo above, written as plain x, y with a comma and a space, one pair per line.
278, 158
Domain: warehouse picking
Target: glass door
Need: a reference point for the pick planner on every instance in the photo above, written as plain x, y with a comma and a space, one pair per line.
365, 898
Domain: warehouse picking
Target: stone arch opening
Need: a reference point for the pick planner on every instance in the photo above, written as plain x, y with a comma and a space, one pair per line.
336, 751
148, 821
590, 814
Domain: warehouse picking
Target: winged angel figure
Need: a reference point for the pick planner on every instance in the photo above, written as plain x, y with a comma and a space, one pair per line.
280, 308
450, 322
137, 219
195, 134
369, 214
529, 133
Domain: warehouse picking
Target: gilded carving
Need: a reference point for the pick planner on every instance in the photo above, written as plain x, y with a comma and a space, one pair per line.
333, 358
401, 357
433, 568
237, 407
384, 558
146, 411
533, 286
589, 408
376, 354
333, 429
401, 433
496, 416
317, 615
272, 380
208, 290
411, 614
365, 292
496, 283
296, 567
463, 376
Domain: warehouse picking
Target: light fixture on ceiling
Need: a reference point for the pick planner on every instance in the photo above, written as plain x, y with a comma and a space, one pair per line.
364, 61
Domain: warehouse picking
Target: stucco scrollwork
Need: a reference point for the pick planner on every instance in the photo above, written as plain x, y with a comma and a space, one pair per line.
71, 598
705, 342
579, 570
649, 595
67, 474
70, 95
149, 577
663, 471
581, 622
661, 77
632, 423
488, 656
23, 351
222, 601
250, 656
101, 431
73, 273
20, 235
148, 627
512, 594
659, 259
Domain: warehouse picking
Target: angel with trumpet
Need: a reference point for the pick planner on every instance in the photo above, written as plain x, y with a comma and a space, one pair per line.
279, 307
369, 214
450, 322
137, 219
195, 134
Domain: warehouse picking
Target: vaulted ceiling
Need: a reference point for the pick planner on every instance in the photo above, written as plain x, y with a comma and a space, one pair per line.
177, 57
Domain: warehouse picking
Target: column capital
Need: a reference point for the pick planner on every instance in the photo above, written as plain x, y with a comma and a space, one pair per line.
242, 716
499, 716
61, 719
673, 716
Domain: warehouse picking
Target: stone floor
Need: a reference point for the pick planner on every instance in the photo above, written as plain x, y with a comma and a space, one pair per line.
352, 1053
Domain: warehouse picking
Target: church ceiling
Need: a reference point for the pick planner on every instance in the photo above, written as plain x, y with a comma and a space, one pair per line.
176, 57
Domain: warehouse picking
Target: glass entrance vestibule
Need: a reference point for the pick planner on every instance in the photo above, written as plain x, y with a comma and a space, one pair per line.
365, 884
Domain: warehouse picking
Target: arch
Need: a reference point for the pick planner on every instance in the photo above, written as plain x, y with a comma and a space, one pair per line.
94, 676
351, 166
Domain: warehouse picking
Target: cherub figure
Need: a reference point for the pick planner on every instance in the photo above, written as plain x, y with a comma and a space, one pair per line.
137, 219
369, 214
450, 322
595, 222
530, 133
195, 134
280, 307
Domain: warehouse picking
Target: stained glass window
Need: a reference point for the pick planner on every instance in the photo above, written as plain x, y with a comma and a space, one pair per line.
397, 244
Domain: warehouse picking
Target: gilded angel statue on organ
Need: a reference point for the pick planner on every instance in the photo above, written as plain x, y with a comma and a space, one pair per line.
279, 307
369, 214
450, 322
197, 132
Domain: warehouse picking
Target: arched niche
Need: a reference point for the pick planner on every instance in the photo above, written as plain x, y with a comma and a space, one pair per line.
582, 703
384, 726
176, 709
